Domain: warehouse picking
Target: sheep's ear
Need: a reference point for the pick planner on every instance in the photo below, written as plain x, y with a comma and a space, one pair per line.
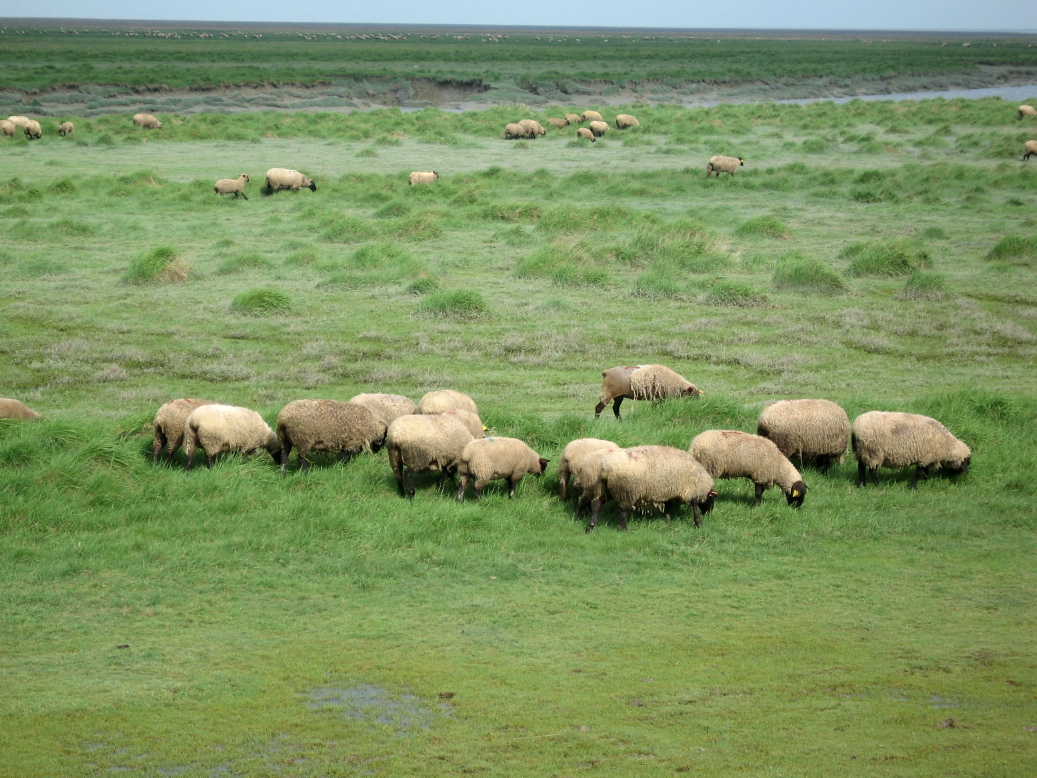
543, 464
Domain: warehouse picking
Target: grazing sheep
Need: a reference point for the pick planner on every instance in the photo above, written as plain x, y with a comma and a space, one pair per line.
890, 439
514, 130
807, 428
585, 134
641, 382
625, 121
598, 128
573, 118
586, 474
33, 131
444, 399
721, 164
647, 478
572, 453
219, 428
388, 407
327, 425
735, 454
421, 443
558, 123
19, 121
1024, 111
8, 128
170, 422
235, 186
533, 128
147, 121
16, 409
422, 177
278, 178
66, 128
487, 459
590, 116
1030, 147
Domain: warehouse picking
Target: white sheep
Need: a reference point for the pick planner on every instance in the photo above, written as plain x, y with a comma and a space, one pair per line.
8, 128
421, 443
278, 178
16, 409
573, 118
19, 121
558, 123
590, 116
1026, 110
66, 128
572, 453
586, 475
625, 121
584, 134
388, 407
487, 459
641, 382
344, 428
441, 400
235, 186
147, 121
220, 428
170, 422
807, 428
1029, 148
33, 131
721, 164
891, 439
736, 454
598, 128
419, 177
514, 130
532, 127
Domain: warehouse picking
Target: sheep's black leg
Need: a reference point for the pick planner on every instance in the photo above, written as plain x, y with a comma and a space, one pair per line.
919, 470
875, 475
696, 514
622, 519
409, 472
862, 474
598, 409
759, 494
595, 507
303, 463
615, 407
511, 490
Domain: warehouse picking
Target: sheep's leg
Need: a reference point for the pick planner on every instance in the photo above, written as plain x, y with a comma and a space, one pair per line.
595, 507
696, 514
461, 488
304, 464
671, 508
209, 460
615, 407
599, 408
244, 195
157, 446
562, 483
190, 459
409, 472
919, 470
622, 519
511, 488
862, 474
759, 494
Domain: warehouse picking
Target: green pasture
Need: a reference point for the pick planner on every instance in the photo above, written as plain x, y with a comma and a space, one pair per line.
234, 622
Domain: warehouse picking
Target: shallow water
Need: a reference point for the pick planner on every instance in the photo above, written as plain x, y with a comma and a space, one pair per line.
1010, 93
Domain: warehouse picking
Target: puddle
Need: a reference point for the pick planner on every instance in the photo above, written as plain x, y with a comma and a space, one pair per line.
404, 713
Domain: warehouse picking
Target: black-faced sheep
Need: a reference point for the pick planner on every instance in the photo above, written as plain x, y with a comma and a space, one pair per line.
170, 422
422, 443
818, 429
235, 186
16, 409
8, 128
598, 128
147, 121
1026, 111
488, 459
641, 382
278, 178
625, 121
584, 134
66, 128
343, 428
514, 130
33, 131
441, 400
890, 439
736, 454
571, 454
221, 428
721, 164
1029, 148
422, 177
533, 128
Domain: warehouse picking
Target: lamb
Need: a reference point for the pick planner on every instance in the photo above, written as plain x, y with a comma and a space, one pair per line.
422, 178
653, 478
558, 123
572, 453
533, 128
170, 422
735, 454
598, 128
444, 399
16, 409
641, 382
218, 428
573, 118
327, 425
147, 121
890, 439
33, 131
590, 116
19, 121
625, 121
419, 443
586, 134
1024, 111
278, 178
388, 407
488, 459
235, 186
66, 128
807, 428
721, 164
1030, 147
514, 130
8, 128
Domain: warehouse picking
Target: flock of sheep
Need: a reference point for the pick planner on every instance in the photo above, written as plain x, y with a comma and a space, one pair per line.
443, 433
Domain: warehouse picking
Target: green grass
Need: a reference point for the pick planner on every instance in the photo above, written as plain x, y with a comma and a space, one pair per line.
232, 621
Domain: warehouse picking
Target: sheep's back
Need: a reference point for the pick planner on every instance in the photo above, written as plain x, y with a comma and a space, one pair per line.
805, 427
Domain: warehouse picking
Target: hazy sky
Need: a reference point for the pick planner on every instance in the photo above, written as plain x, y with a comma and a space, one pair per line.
964, 15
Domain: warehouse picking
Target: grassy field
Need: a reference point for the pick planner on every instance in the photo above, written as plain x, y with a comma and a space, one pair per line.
236, 622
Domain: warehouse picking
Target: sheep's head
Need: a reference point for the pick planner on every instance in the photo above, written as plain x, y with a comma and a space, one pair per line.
693, 391
740, 162
543, 466
796, 494
707, 505
312, 185
958, 459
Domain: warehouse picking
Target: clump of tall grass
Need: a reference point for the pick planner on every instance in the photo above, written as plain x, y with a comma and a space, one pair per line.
239, 262
795, 272
1015, 249
262, 302
454, 304
897, 257
925, 285
735, 294
423, 285
160, 265
682, 246
765, 226
566, 263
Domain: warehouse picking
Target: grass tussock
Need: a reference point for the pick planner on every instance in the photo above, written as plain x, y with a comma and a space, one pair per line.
159, 265
799, 273
262, 302
766, 226
897, 257
1014, 249
925, 285
736, 294
458, 304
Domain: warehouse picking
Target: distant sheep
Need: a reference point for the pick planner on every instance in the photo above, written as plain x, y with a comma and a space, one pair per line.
819, 429
488, 459
571, 454
278, 178
515, 130
598, 128
19, 121
15, 409
235, 186
641, 382
736, 454
558, 123
721, 164
147, 121
8, 128
421, 443
590, 116
647, 478
441, 400
170, 423
33, 131
419, 177
890, 439
66, 128
343, 428
625, 121
388, 407
220, 428
573, 118
584, 134
1025, 111
533, 128
1029, 148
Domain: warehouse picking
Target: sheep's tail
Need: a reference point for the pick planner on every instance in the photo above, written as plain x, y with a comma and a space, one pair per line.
190, 439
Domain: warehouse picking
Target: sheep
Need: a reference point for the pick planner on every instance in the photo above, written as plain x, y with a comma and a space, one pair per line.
66, 128
515, 130
235, 186
19, 121
586, 134
147, 121
590, 116
586, 475
811, 428
488, 459
533, 128
418, 443
891, 439
170, 422
647, 478
33, 131
218, 428
387, 407
444, 399
736, 454
8, 128
16, 409
721, 164
1030, 147
558, 123
278, 178
1024, 111
625, 121
572, 453
641, 382
422, 177
573, 118
327, 425
598, 128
